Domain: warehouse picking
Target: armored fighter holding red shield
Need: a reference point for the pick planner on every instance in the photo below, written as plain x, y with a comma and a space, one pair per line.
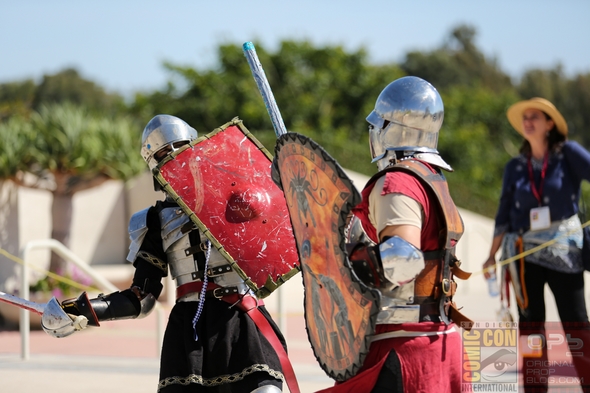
220, 337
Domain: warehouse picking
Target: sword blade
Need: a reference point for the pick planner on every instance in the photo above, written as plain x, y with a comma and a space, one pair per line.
22, 303
264, 88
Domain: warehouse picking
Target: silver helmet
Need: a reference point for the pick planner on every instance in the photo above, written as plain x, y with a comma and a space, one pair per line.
163, 131
406, 120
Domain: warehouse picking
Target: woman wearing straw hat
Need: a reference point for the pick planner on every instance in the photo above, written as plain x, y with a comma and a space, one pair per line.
539, 203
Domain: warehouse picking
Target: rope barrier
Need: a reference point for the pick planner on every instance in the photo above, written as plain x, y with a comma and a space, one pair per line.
532, 250
56, 277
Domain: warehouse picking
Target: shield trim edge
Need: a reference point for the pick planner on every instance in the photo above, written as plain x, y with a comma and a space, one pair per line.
366, 291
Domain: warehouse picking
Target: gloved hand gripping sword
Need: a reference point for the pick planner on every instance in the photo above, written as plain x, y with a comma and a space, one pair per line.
61, 320
54, 320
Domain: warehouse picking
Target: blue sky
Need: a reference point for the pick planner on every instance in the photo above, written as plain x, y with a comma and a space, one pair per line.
121, 44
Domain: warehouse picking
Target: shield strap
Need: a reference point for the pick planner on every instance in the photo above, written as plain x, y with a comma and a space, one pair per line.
249, 305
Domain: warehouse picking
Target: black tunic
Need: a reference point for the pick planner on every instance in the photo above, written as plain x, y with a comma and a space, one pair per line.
230, 355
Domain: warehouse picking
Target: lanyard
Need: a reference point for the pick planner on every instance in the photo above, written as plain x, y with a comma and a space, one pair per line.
539, 192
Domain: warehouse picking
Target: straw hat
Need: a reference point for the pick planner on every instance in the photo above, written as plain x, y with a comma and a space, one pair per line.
515, 112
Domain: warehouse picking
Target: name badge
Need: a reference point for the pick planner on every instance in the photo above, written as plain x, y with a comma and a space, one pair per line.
540, 218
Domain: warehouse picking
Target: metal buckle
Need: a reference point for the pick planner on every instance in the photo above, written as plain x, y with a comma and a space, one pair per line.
218, 270
446, 286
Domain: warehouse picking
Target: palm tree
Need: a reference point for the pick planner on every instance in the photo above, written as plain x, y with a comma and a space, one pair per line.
66, 149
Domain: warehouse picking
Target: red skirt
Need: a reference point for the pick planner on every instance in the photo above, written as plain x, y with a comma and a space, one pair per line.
429, 363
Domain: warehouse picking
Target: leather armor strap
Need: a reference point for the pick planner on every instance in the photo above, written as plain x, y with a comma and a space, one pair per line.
218, 270
213, 290
457, 316
453, 222
429, 309
436, 280
193, 286
212, 272
249, 305
436, 254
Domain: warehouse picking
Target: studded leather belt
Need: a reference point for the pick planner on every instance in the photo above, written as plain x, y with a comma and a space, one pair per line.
213, 290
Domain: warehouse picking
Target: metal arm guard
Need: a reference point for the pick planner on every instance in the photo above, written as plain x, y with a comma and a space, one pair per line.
388, 265
363, 254
366, 263
118, 305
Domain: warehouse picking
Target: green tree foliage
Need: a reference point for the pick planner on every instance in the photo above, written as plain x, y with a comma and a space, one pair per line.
16, 97
316, 88
576, 108
69, 86
66, 149
322, 92
477, 141
326, 93
66, 86
65, 135
457, 62
15, 134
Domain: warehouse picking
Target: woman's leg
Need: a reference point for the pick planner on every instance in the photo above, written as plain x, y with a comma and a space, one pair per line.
568, 290
532, 330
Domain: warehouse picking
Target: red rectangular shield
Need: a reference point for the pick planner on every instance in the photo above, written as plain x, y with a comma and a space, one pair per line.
223, 182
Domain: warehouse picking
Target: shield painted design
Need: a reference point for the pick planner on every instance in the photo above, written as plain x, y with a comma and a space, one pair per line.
340, 311
222, 181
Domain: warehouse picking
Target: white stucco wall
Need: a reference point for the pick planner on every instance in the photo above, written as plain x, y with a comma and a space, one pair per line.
9, 233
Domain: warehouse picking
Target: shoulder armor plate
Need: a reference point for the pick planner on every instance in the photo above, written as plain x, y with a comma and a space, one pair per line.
173, 221
137, 230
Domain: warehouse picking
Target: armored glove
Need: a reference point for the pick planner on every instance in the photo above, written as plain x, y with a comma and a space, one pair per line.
58, 323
